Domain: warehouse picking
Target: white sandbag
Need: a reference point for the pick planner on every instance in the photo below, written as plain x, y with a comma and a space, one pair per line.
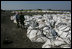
58, 42
41, 25
46, 30
33, 35
41, 39
62, 28
13, 17
47, 44
26, 23
65, 46
14, 21
66, 29
26, 17
64, 34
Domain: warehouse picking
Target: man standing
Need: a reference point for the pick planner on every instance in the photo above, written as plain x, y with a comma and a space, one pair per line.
22, 20
17, 19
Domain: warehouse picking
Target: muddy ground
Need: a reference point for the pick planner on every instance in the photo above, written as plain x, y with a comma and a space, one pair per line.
14, 34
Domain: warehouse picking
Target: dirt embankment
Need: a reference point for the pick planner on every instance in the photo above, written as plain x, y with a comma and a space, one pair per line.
14, 34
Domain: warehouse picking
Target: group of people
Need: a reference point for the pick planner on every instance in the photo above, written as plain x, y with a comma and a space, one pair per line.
20, 19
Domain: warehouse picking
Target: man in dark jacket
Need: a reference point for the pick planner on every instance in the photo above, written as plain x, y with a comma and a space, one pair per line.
22, 19
17, 19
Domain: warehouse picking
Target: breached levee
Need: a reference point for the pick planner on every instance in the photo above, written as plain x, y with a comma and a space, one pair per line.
54, 30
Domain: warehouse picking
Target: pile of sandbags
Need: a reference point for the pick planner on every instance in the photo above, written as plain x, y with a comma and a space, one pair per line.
53, 29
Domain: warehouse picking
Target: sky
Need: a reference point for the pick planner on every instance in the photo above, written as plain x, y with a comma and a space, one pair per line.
15, 5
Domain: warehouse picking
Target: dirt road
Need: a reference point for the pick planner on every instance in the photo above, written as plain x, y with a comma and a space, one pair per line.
14, 34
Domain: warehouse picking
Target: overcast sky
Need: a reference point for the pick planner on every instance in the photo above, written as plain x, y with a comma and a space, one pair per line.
14, 5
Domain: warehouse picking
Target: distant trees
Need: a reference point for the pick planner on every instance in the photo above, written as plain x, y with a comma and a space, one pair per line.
21, 9
39, 9
30, 10
2, 10
49, 9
